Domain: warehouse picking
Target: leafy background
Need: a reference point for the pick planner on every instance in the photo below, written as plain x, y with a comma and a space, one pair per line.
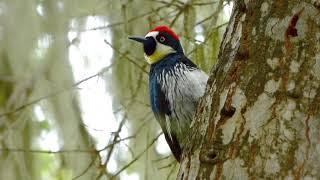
74, 90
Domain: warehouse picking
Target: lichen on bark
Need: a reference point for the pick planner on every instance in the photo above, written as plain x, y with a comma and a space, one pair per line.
260, 115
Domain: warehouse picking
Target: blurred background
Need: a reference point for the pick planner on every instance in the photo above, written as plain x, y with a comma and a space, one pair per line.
74, 100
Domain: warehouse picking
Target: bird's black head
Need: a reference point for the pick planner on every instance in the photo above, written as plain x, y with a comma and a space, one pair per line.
158, 43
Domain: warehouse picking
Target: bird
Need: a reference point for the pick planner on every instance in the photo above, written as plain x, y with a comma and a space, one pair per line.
175, 85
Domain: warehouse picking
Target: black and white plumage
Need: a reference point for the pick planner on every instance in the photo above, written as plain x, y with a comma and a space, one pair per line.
175, 85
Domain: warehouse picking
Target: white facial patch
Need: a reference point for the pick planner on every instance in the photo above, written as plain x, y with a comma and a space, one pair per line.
152, 34
161, 50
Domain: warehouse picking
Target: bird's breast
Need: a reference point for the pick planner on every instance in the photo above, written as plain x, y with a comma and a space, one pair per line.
182, 88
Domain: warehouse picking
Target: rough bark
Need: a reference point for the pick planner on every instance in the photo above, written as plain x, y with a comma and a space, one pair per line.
260, 116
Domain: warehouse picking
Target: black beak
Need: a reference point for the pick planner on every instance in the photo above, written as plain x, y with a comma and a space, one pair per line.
138, 39
149, 44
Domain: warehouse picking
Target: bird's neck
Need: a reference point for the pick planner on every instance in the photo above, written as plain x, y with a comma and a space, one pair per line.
163, 51
168, 61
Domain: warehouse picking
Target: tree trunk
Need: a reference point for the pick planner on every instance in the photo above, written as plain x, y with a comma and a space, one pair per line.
260, 116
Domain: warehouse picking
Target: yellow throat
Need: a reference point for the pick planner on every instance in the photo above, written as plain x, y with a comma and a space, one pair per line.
160, 52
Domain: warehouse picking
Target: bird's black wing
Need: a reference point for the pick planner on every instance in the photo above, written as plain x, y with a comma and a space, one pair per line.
161, 109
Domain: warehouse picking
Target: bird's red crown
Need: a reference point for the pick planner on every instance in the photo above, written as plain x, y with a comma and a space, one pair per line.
166, 29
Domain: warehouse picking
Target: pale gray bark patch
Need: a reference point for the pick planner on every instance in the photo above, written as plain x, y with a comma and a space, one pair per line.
316, 68
273, 63
194, 165
264, 9
238, 102
258, 115
269, 72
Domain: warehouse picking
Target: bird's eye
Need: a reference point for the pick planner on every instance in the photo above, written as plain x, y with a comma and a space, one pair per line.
162, 39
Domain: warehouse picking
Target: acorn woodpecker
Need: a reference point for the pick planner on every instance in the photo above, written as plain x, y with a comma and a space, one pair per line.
175, 85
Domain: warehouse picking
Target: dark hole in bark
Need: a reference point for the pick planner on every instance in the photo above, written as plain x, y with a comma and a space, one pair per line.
242, 54
212, 155
317, 4
242, 7
228, 111
293, 94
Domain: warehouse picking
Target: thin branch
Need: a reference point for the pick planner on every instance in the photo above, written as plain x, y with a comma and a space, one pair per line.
204, 3
128, 21
125, 56
171, 171
205, 19
46, 151
168, 165
166, 3
138, 157
208, 36
116, 136
131, 151
165, 18
64, 151
50, 95
86, 169
161, 159
96, 129
177, 17
137, 101
193, 40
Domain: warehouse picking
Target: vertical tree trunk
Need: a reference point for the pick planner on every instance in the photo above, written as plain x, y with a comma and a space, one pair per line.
260, 116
